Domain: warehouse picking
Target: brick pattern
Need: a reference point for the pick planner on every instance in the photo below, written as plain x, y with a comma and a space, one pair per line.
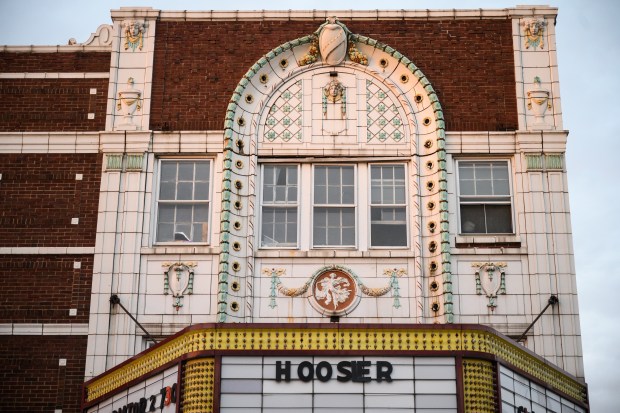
54, 62
37, 202
31, 376
37, 105
469, 62
43, 288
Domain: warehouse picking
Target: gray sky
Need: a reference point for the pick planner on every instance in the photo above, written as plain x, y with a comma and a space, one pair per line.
588, 41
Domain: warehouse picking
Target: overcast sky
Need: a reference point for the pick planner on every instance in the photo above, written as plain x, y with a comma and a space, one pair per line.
588, 42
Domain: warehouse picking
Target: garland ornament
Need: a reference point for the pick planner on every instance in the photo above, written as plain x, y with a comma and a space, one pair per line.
489, 282
334, 286
178, 279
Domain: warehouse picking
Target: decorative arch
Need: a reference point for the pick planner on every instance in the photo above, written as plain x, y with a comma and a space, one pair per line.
241, 143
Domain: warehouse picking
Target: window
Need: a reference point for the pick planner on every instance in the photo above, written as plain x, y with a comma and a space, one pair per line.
388, 208
350, 206
334, 206
184, 201
485, 197
279, 206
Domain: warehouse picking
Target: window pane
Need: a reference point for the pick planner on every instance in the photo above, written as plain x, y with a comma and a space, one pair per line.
467, 187
466, 170
166, 190
186, 171
279, 227
348, 195
201, 213
334, 194
500, 170
388, 227
168, 172
482, 171
165, 232
499, 219
202, 171
333, 175
201, 191
184, 213
200, 232
501, 187
472, 219
334, 226
185, 191
166, 213
183, 232
484, 187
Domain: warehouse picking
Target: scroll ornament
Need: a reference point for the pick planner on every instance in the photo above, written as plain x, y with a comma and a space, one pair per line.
490, 279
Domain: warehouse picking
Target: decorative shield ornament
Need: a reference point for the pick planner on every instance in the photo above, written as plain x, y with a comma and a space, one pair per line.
179, 279
333, 42
490, 278
334, 292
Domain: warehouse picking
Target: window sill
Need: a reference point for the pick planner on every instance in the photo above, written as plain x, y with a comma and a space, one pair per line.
181, 249
334, 254
488, 241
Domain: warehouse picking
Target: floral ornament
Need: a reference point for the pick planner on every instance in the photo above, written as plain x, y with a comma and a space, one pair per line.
534, 29
357, 56
313, 53
489, 282
133, 31
178, 279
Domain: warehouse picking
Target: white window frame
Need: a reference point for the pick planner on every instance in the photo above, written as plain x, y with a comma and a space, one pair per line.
371, 205
287, 205
354, 206
510, 196
208, 202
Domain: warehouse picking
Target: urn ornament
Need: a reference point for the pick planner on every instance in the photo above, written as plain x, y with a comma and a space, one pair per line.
129, 100
333, 42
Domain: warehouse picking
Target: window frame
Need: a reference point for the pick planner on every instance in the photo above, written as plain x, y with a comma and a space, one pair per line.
157, 201
262, 204
354, 206
510, 202
369, 166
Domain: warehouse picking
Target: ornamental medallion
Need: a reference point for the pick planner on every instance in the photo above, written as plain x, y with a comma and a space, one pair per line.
335, 291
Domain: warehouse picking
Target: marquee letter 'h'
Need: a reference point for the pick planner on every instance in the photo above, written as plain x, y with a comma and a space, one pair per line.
286, 371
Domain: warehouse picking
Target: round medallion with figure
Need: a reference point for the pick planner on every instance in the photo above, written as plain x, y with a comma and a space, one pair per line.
335, 292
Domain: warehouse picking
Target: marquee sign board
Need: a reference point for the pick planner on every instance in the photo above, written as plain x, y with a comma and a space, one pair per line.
155, 394
350, 384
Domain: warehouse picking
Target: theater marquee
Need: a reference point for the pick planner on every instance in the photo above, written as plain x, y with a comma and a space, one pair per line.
314, 368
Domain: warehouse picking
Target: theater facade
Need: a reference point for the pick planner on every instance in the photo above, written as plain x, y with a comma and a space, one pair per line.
314, 211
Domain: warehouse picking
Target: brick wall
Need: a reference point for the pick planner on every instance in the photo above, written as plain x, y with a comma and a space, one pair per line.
39, 195
469, 62
42, 288
36, 105
54, 62
32, 380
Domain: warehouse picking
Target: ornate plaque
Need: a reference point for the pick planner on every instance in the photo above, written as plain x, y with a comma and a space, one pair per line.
334, 291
